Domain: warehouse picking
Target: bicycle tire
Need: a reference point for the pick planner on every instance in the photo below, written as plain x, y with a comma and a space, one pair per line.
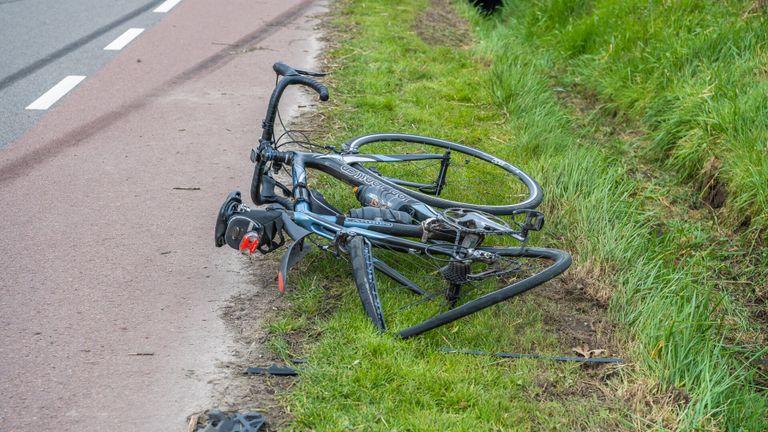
533, 197
365, 279
560, 261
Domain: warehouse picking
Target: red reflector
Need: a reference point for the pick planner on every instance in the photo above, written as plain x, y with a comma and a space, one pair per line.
280, 282
249, 243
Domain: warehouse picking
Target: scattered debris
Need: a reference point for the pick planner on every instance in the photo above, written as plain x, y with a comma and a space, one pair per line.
192, 424
273, 370
217, 421
187, 188
585, 352
536, 356
141, 354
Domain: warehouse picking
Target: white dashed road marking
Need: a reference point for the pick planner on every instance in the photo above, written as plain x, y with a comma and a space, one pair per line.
124, 39
166, 6
56, 92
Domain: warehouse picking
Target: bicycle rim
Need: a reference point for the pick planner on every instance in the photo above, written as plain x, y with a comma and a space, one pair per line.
454, 175
363, 272
514, 271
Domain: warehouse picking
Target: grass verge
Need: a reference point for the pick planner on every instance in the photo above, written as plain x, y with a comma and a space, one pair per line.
690, 373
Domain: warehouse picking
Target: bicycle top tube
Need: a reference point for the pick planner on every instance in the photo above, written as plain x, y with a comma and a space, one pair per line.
378, 232
336, 166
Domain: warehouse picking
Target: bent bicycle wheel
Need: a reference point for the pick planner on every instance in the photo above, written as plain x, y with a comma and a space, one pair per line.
362, 262
453, 289
444, 174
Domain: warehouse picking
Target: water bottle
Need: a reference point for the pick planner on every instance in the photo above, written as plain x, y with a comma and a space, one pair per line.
374, 196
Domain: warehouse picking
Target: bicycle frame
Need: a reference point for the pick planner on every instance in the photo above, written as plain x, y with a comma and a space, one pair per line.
326, 226
439, 233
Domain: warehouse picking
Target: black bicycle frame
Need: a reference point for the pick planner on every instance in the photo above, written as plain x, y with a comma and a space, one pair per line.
338, 166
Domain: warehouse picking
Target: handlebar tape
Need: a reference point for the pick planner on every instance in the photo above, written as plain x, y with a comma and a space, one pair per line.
314, 85
295, 78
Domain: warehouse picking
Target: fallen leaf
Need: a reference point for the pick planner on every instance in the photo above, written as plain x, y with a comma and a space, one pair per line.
585, 352
582, 350
596, 353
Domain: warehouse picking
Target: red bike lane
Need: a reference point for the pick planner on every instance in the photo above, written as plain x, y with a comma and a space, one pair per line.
110, 287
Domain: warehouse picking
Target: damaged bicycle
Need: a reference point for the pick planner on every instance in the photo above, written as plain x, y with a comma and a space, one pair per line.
415, 224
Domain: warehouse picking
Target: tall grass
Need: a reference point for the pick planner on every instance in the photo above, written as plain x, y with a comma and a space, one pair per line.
677, 68
694, 71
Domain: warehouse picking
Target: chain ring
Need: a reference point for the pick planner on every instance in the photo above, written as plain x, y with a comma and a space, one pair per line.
452, 220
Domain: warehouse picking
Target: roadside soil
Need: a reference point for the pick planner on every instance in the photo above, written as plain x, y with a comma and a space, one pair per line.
247, 312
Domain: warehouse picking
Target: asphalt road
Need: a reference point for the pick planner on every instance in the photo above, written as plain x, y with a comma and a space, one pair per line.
107, 206
44, 41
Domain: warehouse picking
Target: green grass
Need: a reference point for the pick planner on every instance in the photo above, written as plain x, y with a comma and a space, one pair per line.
664, 270
694, 72
691, 75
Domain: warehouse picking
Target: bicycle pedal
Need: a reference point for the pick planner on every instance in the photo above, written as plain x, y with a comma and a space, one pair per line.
534, 220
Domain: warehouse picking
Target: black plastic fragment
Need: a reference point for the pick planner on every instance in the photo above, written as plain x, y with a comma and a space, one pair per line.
273, 370
217, 421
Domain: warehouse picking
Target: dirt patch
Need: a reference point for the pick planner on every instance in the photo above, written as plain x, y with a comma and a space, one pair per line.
585, 102
744, 277
579, 319
755, 8
652, 401
245, 315
575, 316
440, 25
713, 190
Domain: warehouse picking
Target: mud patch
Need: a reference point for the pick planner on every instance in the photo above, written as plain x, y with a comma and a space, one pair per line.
714, 192
757, 7
440, 25
576, 317
245, 315
580, 319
